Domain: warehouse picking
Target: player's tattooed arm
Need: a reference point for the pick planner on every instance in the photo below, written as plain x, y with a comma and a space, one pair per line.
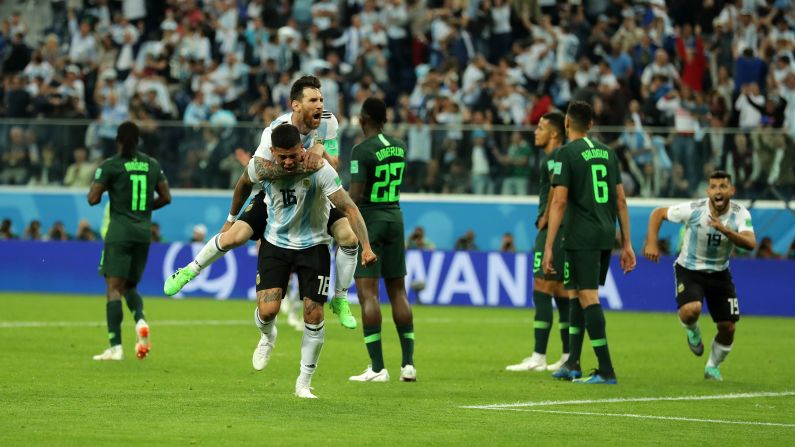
268, 170
242, 191
343, 202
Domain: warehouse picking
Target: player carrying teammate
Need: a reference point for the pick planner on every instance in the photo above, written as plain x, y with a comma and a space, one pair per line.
587, 173
296, 239
131, 179
549, 135
377, 166
318, 129
713, 227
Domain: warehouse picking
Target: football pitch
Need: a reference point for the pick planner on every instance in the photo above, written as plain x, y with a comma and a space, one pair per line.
198, 386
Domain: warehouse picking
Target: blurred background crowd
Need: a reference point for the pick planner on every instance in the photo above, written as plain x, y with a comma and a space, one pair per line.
679, 87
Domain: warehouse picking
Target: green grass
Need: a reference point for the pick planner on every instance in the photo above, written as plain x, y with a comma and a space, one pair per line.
198, 386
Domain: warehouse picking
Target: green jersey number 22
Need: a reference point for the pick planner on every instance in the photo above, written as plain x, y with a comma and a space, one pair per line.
389, 176
138, 192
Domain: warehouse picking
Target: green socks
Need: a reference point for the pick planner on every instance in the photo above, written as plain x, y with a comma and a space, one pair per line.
542, 324
563, 321
372, 340
135, 303
406, 335
595, 322
576, 333
115, 315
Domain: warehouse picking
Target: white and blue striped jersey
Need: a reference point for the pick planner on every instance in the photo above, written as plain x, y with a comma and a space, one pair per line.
298, 208
325, 134
703, 247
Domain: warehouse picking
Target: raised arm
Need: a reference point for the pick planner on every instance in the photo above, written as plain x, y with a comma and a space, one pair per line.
651, 248
343, 202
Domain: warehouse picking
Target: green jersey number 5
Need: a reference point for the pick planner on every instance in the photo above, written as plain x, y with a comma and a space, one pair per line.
389, 176
138, 192
598, 175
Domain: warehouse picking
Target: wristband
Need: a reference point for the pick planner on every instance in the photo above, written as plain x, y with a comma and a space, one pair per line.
231, 218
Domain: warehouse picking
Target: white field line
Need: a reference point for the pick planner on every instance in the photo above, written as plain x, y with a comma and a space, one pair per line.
546, 403
154, 323
644, 416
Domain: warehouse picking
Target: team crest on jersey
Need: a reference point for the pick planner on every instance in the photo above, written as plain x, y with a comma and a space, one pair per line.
258, 279
306, 183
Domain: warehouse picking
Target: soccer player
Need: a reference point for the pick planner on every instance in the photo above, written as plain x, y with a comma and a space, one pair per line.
377, 166
131, 179
587, 173
318, 130
549, 135
296, 239
713, 228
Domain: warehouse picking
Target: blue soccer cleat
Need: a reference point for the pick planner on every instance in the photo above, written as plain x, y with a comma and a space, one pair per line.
567, 373
598, 379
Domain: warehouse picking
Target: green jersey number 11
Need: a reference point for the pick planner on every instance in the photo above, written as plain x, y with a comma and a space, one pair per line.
389, 176
138, 192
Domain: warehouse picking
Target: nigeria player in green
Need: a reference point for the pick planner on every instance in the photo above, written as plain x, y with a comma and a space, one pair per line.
377, 166
131, 180
549, 136
587, 174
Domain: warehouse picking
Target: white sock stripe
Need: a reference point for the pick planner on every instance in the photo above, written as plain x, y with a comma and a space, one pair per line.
349, 250
217, 240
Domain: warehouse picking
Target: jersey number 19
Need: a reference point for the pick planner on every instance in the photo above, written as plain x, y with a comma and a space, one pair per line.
138, 192
390, 176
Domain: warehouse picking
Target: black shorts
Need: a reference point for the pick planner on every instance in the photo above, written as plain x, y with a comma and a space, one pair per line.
313, 266
124, 260
716, 287
256, 216
585, 269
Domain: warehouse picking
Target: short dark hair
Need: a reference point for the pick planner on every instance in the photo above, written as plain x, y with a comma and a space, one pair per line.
297, 90
374, 109
127, 136
556, 120
285, 136
720, 175
580, 114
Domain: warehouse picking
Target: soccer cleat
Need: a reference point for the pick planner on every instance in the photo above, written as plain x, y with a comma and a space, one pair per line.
407, 374
339, 305
177, 281
371, 376
597, 378
555, 366
536, 362
566, 373
262, 353
143, 346
712, 373
694, 342
112, 353
304, 391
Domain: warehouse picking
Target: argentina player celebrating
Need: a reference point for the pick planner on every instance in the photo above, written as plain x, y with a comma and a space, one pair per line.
713, 228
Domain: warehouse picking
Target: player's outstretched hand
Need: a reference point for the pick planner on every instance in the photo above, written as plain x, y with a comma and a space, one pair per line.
368, 257
312, 161
628, 259
716, 224
546, 264
651, 251
226, 227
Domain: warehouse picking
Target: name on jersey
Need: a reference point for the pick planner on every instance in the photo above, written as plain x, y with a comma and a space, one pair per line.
391, 151
136, 166
595, 153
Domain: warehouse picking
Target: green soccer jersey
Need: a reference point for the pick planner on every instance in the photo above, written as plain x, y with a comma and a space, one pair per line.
130, 183
591, 173
547, 168
379, 162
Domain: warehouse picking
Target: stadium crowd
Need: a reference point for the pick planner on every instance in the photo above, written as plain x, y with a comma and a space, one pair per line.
679, 87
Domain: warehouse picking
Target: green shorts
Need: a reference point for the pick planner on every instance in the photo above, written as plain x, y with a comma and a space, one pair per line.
558, 256
585, 269
124, 260
385, 229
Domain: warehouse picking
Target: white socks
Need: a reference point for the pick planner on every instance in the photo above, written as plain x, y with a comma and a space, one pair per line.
691, 327
266, 327
210, 253
345, 263
311, 344
718, 354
